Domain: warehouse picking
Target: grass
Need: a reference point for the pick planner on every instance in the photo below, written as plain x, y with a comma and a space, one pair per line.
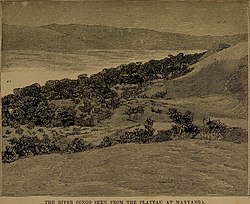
188, 167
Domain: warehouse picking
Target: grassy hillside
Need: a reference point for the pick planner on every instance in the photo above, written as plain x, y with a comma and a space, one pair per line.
224, 72
37, 38
80, 37
171, 168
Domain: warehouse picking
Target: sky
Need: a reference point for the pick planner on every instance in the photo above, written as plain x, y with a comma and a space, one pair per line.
194, 18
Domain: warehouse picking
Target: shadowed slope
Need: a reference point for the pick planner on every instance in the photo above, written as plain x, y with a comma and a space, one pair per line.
216, 74
73, 37
37, 38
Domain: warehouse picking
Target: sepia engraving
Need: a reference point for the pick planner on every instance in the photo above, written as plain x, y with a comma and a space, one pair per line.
124, 98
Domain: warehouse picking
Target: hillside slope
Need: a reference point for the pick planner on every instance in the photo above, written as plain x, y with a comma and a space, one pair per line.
80, 37
224, 72
37, 38
189, 167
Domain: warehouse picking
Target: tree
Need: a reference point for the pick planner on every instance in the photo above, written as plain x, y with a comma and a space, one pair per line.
183, 122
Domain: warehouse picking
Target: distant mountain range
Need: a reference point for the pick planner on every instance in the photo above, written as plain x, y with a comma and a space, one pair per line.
71, 37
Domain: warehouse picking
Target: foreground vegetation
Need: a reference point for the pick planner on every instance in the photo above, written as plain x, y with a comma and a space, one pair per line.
88, 100
182, 128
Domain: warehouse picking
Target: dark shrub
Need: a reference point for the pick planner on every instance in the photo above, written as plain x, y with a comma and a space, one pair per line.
78, 145
235, 134
137, 136
107, 142
183, 126
214, 126
89, 121
134, 112
25, 146
28, 146
149, 124
9, 155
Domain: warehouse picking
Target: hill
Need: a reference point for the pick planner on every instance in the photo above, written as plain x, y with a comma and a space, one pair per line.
224, 72
70, 37
189, 167
37, 38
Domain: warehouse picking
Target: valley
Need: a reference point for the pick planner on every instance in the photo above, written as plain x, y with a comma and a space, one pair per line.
92, 110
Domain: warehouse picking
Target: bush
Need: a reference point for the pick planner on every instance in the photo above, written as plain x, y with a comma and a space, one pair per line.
214, 127
216, 130
25, 146
208, 136
137, 136
183, 126
149, 124
78, 145
235, 134
9, 155
29, 146
107, 142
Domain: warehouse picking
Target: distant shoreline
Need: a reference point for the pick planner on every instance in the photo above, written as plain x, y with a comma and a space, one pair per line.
39, 66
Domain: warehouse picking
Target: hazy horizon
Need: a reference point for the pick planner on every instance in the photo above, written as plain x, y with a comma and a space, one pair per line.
125, 28
192, 18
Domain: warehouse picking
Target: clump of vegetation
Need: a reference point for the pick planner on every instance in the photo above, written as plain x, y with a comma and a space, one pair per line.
183, 123
9, 155
216, 130
183, 128
235, 134
134, 113
212, 130
139, 135
31, 145
107, 142
78, 145
136, 136
214, 126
